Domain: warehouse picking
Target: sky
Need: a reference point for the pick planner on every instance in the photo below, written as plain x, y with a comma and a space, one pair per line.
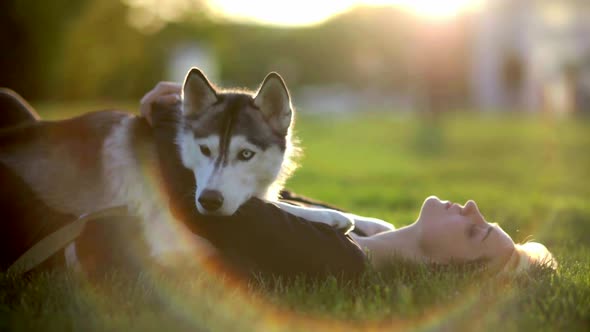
309, 12
287, 12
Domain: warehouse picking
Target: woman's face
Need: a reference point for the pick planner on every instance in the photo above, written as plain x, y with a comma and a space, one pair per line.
451, 232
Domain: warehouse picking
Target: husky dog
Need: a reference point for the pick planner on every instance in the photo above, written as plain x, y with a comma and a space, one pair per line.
237, 144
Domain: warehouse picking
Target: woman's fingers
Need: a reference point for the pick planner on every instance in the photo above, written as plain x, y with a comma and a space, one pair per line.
163, 92
168, 99
162, 88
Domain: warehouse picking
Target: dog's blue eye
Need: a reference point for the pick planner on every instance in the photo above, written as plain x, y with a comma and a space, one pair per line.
205, 150
246, 155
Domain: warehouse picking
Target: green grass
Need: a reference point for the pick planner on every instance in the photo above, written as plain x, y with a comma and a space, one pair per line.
530, 174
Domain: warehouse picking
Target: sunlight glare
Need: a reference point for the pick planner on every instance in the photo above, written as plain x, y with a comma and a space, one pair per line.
309, 12
298, 12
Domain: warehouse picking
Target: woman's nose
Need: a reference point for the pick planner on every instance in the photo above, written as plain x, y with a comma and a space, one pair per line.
470, 208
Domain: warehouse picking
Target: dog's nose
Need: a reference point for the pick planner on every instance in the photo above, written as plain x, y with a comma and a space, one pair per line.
211, 200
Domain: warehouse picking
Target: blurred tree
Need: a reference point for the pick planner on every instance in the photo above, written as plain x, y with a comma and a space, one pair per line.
87, 49
30, 37
440, 64
104, 57
79, 49
363, 48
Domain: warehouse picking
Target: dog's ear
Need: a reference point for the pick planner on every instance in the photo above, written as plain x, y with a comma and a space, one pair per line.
197, 92
274, 102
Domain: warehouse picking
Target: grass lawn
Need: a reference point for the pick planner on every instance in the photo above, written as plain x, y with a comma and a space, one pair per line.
530, 174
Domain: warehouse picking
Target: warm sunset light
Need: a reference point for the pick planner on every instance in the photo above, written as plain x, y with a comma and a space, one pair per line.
297, 12
308, 12
433, 9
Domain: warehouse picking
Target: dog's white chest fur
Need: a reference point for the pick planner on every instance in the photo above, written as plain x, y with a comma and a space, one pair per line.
129, 185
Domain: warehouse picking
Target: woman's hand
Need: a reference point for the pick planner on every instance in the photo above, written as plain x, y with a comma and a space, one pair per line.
163, 92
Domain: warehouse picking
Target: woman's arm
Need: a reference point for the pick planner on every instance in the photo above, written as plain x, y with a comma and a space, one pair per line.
164, 93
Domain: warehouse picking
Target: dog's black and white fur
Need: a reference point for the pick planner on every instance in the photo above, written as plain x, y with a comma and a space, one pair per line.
237, 144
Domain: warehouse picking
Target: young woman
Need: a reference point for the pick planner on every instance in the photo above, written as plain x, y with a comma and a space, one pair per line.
443, 232
263, 238
446, 232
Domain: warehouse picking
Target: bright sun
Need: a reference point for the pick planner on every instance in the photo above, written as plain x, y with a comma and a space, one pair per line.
306, 12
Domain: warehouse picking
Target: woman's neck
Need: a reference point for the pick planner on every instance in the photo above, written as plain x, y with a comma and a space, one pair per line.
402, 243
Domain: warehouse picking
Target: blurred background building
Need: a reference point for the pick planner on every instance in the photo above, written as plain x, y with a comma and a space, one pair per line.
346, 55
532, 55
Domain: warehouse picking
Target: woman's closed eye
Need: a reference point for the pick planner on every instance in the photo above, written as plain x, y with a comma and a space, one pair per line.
471, 231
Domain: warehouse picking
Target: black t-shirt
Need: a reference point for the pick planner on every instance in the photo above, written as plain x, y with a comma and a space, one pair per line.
260, 236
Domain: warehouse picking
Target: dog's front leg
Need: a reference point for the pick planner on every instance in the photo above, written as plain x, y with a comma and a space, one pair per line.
329, 217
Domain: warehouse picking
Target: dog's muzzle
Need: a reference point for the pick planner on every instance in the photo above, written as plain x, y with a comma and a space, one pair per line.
211, 200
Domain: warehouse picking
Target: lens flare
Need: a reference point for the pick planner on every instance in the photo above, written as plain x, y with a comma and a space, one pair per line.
202, 292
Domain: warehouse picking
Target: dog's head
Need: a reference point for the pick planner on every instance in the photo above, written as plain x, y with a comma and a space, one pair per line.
237, 143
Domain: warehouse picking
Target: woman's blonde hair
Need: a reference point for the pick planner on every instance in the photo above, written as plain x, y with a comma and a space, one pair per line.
528, 255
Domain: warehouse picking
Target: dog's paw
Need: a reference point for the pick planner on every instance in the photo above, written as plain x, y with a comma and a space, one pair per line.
340, 221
